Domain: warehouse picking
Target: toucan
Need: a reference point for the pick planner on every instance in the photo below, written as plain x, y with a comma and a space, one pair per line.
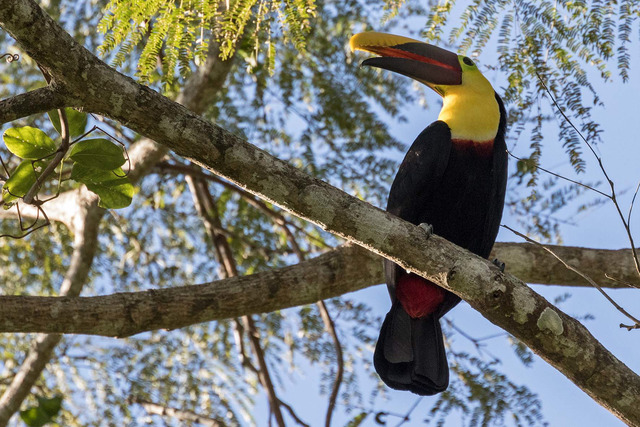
453, 178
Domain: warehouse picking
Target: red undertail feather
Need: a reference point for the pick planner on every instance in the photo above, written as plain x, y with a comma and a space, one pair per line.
418, 296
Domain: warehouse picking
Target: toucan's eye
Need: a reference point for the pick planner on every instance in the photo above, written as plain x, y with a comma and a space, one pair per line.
468, 61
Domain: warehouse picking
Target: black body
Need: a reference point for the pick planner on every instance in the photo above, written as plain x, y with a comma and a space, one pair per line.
460, 192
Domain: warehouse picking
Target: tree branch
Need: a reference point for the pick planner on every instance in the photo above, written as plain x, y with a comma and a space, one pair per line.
34, 102
78, 209
208, 211
524, 260
501, 298
42, 350
125, 314
179, 414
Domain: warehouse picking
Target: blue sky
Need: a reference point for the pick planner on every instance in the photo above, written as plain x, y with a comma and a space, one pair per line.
564, 404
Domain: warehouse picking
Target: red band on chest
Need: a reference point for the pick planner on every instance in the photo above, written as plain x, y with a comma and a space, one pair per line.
481, 148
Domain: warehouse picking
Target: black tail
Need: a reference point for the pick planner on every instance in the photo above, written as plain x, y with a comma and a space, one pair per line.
410, 353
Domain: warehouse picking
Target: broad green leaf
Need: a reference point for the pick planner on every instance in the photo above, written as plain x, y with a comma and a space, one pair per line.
29, 143
113, 188
77, 121
51, 406
47, 409
98, 154
34, 417
21, 180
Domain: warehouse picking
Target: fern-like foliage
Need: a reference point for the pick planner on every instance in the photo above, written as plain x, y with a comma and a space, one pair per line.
549, 52
175, 35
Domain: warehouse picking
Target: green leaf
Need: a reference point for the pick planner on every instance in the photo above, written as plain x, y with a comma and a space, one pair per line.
98, 154
34, 417
50, 406
29, 143
77, 121
113, 188
357, 420
21, 180
47, 409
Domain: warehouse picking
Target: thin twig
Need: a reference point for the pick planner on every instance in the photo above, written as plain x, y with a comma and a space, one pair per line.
407, 416
293, 413
613, 196
207, 209
324, 313
59, 157
633, 200
477, 342
564, 177
180, 414
636, 322
331, 329
249, 197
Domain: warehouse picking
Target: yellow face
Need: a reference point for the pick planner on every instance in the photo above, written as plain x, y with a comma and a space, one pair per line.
470, 109
469, 104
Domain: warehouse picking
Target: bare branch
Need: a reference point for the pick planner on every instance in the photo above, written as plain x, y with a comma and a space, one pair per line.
501, 298
613, 195
125, 314
26, 104
524, 260
293, 414
44, 346
208, 211
179, 414
636, 322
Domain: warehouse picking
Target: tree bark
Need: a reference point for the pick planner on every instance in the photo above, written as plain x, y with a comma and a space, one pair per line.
78, 209
501, 298
86, 221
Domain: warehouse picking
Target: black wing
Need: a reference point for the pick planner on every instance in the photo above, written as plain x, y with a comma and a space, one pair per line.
419, 174
498, 185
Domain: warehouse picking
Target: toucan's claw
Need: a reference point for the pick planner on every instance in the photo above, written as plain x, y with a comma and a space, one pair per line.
428, 228
499, 264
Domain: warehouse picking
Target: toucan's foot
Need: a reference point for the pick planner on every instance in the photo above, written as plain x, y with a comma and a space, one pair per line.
499, 264
428, 228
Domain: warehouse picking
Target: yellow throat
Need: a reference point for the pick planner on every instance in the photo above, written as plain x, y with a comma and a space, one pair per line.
470, 109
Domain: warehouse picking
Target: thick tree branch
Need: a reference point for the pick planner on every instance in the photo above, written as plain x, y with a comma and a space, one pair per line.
501, 298
524, 260
36, 101
78, 209
345, 269
125, 314
86, 232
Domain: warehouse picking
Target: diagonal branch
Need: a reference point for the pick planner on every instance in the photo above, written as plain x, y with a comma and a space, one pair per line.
34, 102
208, 211
42, 350
180, 414
501, 298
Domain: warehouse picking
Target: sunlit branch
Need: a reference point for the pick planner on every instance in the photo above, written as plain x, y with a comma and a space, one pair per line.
636, 322
208, 211
611, 196
179, 414
33, 102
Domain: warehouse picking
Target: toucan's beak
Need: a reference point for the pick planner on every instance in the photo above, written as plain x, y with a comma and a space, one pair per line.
423, 62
